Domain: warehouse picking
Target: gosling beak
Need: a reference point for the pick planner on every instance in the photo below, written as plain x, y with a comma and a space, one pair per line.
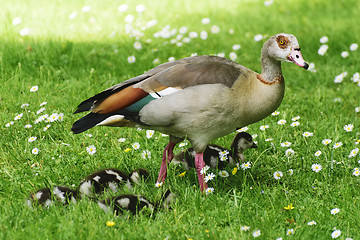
296, 57
254, 145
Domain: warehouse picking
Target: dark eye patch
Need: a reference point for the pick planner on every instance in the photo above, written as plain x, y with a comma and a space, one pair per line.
282, 41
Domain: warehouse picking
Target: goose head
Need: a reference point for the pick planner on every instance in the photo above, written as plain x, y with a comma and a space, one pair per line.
284, 47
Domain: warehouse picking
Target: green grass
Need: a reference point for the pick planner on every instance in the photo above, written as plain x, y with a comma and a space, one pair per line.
72, 59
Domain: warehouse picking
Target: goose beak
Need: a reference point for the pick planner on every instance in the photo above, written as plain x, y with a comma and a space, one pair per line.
296, 57
254, 145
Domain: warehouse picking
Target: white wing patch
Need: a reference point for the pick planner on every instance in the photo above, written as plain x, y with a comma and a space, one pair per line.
114, 173
111, 120
164, 92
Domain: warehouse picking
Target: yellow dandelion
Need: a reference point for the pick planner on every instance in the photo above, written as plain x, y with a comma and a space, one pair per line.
127, 149
110, 223
289, 207
234, 171
182, 174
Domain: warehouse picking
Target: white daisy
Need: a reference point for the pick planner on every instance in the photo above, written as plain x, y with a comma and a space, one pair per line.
245, 228
290, 231
131, 59
32, 139
18, 117
258, 37
137, 45
136, 145
354, 47
316, 167
326, 141
311, 223
338, 144
121, 140
257, 233
281, 122
354, 152
209, 190
344, 54
356, 77
53, 117
243, 129
40, 110
123, 8
236, 47
268, 2
334, 211
34, 88
183, 30
140, 8
203, 35
91, 149
307, 134
357, 109
86, 9
205, 20
318, 153
24, 32
233, 56
24, 105
223, 174
275, 113
348, 127
278, 175
35, 151
268, 139
324, 39
146, 154
289, 152
336, 234
28, 126
215, 29
159, 184
245, 166
73, 15
46, 127
209, 177
356, 172
290, 172
339, 78
204, 170
323, 49
285, 144
9, 124
149, 133
294, 119
264, 127
16, 21
294, 124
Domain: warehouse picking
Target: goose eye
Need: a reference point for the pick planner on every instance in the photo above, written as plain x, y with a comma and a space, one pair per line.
282, 42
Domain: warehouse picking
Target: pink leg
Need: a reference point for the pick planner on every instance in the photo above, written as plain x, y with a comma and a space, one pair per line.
166, 159
200, 164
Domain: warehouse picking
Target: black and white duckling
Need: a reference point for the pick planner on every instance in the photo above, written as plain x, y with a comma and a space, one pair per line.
218, 157
49, 196
110, 178
136, 203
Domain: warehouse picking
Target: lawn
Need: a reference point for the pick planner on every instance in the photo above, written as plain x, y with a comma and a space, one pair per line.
55, 54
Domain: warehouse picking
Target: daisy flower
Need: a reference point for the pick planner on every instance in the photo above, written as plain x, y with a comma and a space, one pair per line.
131, 59
91, 149
137, 45
311, 223
339, 78
294, 124
9, 124
136, 145
183, 144
233, 56
268, 2
123, 8
258, 37
348, 127
278, 175
73, 15
324, 39
34, 88
268, 140
243, 129
245, 228
294, 119
318, 153
326, 141
356, 77
215, 29
183, 30
223, 174
334, 211
140, 8
338, 144
307, 134
264, 127
354, 47
46, 127
146, 154
156, 61
209, 177
16, 21
158, 184
204, 170
18, 117
149, 133
344, 54
121, 140
290, 231
357, 142
245, 166
40, 111
257, 233
281, 122
209, 190
203, 35
356, 172
32, 139
285, 144
53, 117
35, 151
289, 152
24, 32
205, 20
354, 152
275, 113
193, 34
323, 49
336, 234
290, 172
316, 167
28, 126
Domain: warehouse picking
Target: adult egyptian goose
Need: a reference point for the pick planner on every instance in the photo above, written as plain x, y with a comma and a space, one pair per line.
201, 98
216, 156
